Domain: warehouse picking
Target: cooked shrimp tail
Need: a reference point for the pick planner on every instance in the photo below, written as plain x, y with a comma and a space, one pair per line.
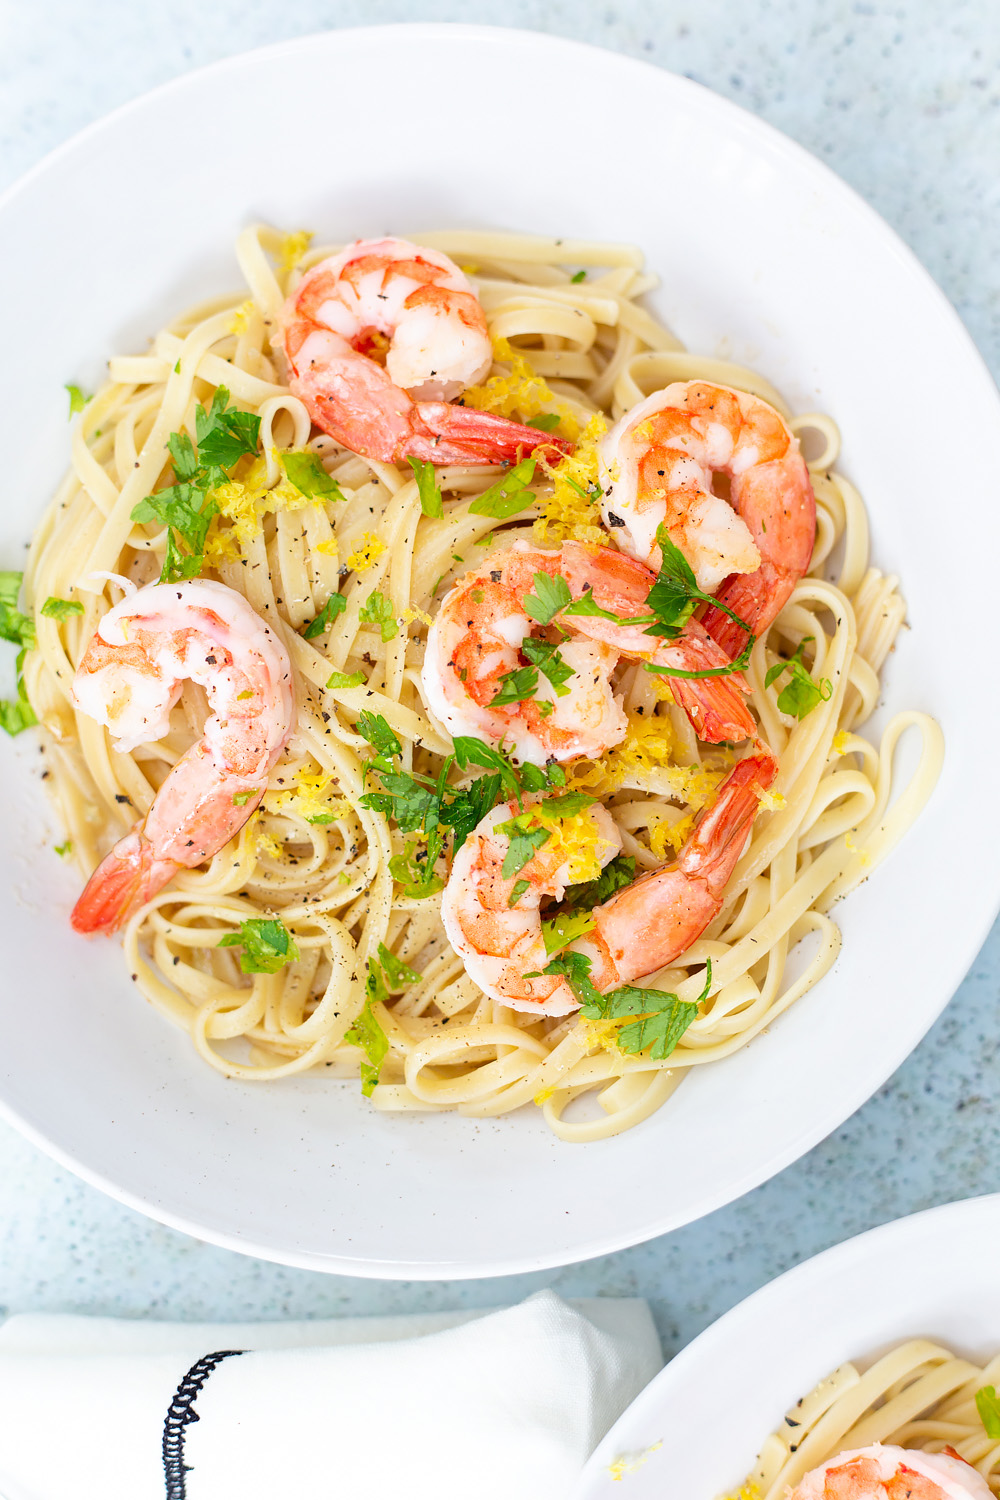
656, 918
447, 434
886, 1472
130, 678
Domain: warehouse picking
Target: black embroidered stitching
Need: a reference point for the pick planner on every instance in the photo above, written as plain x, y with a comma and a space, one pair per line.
180, 1415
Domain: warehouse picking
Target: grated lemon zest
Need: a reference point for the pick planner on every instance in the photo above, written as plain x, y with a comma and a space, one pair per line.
520, 393
748, 1491
566, 514
304, 798
328, 548
577, 842
772, 802
632, 1463
293, 247
841, 740
648, 745
409, 615
371, 549
863, 855
544, 1095
240, 321
244, 500
598, 1034
672, 836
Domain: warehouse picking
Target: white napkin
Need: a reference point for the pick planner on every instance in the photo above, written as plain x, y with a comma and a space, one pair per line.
438, 1407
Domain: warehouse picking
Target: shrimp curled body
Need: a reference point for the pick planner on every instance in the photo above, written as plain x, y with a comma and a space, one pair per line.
639, 930
379, 341
891, 1473
130, 678
480, 634
659, 462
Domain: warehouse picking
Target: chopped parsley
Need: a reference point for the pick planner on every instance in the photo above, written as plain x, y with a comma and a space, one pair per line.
16, 713
550, 663
397, 973
617, 873
377, 610
186, 507
988, 1407
662, 1018
306, 472
414, 868
516, 686
240, 799
367, 1032
334, 606
578, 277
564, 929
428, 488
64, 850
673, 599
546, 421
509, 495
801, 693
61, 609
77, 399
345, 679
549, 597
267, 945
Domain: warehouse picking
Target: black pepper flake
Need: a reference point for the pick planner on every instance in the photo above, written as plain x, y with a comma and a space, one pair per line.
614, 520
121, 797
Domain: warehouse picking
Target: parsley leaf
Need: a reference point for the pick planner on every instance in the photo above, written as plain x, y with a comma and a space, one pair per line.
334, 606
509, 495
546, 421
550, 596
377, 610
578, 277
16, 713
575, 969
224, 436
673, 599
306, 472
414, 868
550, 663
468, 806
565, 929
470, 751
367, 1033
988, 1407
566, 805
77, 400
345, 680
428, 488
267, 945
378, 734
516, 686
801, 693
397, 974
525, 840
61, 609
617, 874
663, 1018
64, 850
586, 605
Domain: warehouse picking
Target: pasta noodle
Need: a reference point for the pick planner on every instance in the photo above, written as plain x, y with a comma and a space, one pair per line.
919, 1395
592, 351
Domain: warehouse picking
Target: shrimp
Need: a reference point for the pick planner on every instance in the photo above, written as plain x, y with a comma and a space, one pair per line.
639, 930
130, 678
891, 1473
658, 464
500, 943
379, 342
483, 632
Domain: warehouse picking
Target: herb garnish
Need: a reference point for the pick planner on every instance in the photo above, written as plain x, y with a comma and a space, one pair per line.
509, 495
662, 1017
428, 488
267, 945
673, 599
367, 1032
307, 474
15, 713
61, 609
334, 606
546, 421
345, 680
186, 507
988, 1407
801, 693
377, 610
77, 399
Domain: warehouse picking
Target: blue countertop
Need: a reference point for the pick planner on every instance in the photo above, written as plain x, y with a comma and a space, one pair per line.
903, 100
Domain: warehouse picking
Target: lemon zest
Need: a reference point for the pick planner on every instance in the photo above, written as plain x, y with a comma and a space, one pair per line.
841, 740
631, 1463
664, 835
572, 512
304, 798
409, 615
328, 548
577, 842
601, 1034
371, 549
748, 1491
292, 248
772, 802
520, 393
240, 321
243, 501
544, 1095
863, 856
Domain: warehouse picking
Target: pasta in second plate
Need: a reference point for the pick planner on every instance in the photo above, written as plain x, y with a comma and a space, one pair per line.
314, 937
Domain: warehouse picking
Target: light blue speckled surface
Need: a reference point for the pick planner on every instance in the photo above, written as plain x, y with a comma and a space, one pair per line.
903, 100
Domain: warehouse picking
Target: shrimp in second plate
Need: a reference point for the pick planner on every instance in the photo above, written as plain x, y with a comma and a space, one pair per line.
659, 461
130, 678
890, 1473
380, 340
483, 633
645, 926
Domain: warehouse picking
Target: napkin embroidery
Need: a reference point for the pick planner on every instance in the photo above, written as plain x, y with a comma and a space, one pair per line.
180, 1414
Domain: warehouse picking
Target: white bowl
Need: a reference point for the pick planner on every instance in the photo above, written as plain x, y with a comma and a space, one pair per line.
933, 1275
764, 255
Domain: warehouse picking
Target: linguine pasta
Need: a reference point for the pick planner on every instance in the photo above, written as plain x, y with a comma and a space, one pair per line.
919, 1395
584, 350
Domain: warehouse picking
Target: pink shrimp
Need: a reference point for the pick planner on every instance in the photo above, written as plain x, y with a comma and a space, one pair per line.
130, 678
750, 551
494, 922
891, 1473
482, 629
380, 340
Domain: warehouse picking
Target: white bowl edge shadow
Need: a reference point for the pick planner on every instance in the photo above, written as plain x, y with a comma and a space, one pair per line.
527, 1202
929, 1275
